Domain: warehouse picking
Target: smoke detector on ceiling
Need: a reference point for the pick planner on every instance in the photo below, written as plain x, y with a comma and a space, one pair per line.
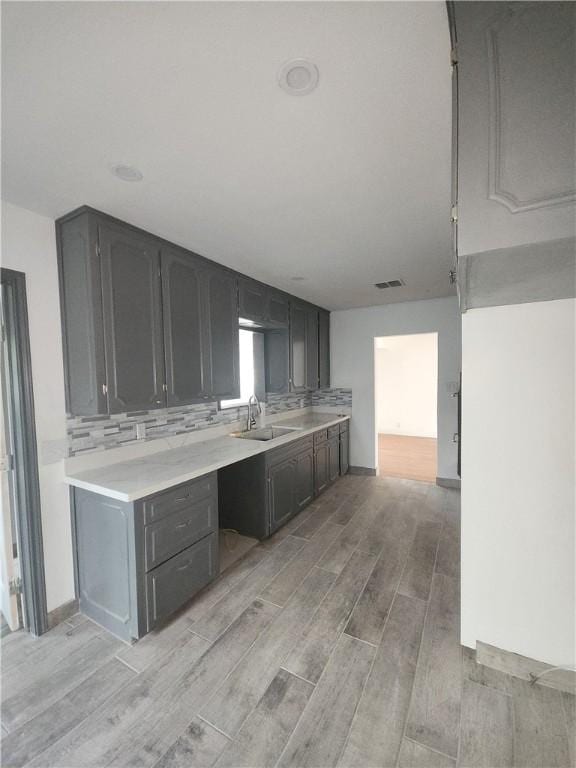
298, 77
390, 284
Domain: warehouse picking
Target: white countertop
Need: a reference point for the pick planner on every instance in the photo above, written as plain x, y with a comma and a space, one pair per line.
136, 478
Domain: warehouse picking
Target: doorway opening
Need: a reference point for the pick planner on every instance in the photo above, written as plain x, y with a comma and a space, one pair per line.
22, 583
406, 406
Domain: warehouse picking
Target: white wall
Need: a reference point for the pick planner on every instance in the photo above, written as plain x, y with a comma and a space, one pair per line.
352, 335
29, 246
518, 481
407, 385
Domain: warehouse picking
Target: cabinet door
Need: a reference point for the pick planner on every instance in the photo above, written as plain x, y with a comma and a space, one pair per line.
278, 309
304, 488
312, 349
281, 483
333, 459
276, 346
222, 378
321, 468
344, 452
183, 333
252, 300
132, 319
297, 348
324, 348
81, 308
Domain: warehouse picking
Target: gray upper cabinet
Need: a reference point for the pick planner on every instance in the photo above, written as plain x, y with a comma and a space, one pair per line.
132, 313
263, 305
323, 348
183, 327
253, 300
146, 324
278, 309
81, 311
312, 348
298, 356
223, 344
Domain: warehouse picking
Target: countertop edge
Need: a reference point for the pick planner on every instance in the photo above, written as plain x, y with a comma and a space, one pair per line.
87, 485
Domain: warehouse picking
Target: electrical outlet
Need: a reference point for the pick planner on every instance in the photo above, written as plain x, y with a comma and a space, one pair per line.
140, 431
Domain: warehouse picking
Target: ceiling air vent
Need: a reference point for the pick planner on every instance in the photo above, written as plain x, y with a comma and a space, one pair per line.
390, 284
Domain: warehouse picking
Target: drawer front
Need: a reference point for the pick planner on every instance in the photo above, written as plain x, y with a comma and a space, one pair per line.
163, 504
278, 455
344, 426
173, 533
333, 431
172, 584
321, 436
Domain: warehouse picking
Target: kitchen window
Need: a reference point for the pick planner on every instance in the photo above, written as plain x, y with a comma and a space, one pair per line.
251, 368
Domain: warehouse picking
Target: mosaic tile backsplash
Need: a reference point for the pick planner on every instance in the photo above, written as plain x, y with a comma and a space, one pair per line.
100, 433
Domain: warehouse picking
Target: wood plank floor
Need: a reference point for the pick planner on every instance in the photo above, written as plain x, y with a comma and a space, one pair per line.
334, 643
413, 458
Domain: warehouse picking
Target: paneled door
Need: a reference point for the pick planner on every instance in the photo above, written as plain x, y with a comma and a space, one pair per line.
183, 332
222, 363
132, 313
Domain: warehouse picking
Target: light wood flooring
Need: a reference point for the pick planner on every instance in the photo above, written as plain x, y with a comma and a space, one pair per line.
334, 643
412, 458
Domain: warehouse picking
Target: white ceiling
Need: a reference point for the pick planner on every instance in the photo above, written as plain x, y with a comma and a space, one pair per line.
347, 186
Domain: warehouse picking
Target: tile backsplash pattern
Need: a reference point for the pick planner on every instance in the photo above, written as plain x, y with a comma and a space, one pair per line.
87, 434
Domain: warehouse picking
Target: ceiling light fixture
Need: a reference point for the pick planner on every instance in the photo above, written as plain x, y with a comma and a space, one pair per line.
298, 77
126, 172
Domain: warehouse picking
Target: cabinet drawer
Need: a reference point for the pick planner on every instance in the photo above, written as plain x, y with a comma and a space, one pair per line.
179, 530
172, 584
278, 455
321, 436
333, 431
163, 504
344, 426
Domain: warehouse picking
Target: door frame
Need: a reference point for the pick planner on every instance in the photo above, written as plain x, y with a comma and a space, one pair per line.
26, 475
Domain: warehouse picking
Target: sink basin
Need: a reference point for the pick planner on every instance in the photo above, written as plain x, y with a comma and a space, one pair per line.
268, 433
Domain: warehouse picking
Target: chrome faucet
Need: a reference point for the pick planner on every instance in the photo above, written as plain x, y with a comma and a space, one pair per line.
253, 407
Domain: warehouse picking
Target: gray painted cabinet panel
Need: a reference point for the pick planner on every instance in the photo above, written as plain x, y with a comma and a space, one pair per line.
333, 458
81, 309
278, 309
132, 575
321, 468
170, 585
223, 345
344, 451
253, 300
312, 349
132, 314
277, 354
298, 356
304, 480
281, 484
183, 327
324, 348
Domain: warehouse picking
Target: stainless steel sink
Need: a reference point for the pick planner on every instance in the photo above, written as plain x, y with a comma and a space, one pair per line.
268, 433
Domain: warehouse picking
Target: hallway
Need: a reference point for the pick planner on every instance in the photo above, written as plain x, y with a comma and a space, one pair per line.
411, 458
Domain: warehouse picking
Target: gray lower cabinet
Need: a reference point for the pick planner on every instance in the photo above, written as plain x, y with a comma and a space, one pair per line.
344, 448
138, 562
258, 495
321, 468
132, 313
281, 479
333, 458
